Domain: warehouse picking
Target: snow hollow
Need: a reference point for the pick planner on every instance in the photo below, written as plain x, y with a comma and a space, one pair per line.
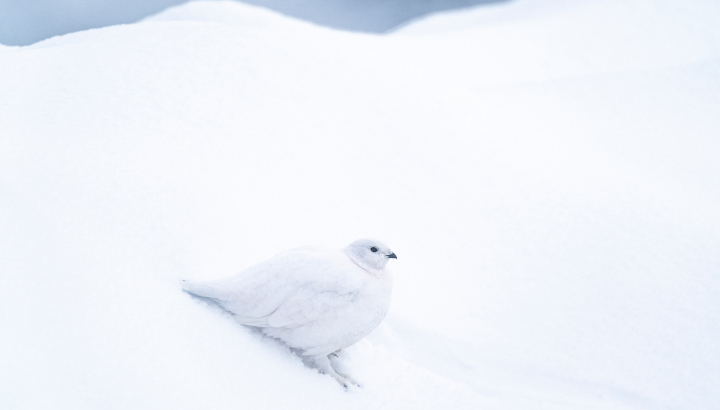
547, 173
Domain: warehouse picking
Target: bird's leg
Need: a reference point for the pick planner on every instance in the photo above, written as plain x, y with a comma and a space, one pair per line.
333, 358
322, 363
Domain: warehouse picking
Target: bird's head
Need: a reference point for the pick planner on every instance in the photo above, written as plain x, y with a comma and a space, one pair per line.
369, 253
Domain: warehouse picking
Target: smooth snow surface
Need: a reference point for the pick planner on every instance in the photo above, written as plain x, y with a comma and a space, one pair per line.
547, 172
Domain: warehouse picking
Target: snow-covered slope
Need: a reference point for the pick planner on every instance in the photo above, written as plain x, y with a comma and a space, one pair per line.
548, 180
23, 22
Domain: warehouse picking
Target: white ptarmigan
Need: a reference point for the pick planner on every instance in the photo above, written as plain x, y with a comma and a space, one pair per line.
317, 302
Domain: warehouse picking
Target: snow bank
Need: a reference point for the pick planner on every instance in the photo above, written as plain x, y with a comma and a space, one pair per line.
548, 183
227, 12
28, 21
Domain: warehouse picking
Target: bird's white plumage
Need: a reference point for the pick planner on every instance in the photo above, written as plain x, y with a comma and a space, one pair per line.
315, 301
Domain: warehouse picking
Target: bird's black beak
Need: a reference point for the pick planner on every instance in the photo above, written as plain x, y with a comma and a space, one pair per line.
392, 255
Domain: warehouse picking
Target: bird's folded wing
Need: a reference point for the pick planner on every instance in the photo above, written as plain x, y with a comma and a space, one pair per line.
288, 290
250, 302
308, 303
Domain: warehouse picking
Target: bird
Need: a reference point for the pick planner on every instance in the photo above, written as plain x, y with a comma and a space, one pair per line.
317, 302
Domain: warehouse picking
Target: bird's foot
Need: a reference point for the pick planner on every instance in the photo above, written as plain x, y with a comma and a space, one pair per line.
322, 364
333, 359
345, 381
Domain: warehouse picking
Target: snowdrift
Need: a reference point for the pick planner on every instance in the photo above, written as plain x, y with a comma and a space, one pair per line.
546, 173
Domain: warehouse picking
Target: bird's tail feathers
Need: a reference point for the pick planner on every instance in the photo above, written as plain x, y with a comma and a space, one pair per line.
202, 289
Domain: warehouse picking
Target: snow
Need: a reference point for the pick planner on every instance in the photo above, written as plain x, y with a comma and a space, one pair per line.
546, 173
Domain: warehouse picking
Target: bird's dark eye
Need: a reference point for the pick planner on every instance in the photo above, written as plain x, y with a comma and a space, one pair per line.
374, 249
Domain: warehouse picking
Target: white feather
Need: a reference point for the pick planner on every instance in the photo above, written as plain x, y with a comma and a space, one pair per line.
315, 301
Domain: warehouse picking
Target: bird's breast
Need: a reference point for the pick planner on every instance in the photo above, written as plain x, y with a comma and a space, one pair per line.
368, 308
